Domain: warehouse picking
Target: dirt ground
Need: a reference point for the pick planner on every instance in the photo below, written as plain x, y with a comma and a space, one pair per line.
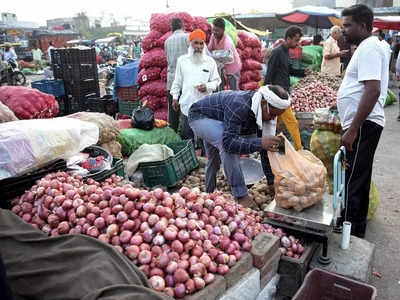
383, 229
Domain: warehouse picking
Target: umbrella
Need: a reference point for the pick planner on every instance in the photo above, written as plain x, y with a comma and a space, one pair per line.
388, 22
314, 16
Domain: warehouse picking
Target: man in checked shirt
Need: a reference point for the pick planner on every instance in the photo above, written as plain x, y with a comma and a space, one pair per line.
219, 119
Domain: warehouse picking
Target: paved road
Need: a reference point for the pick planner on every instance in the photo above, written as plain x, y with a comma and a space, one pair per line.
384, 228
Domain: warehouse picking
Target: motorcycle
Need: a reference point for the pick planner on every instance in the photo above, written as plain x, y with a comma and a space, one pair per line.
12, 75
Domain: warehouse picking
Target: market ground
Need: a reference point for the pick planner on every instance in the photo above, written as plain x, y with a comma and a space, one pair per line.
383, 229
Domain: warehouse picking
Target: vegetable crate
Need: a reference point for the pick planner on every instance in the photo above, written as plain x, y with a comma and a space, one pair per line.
126, 107
127, 93
117, 168
16, 186
102, 105
169, 171
73, 56
320, 284
52, 87
75, 72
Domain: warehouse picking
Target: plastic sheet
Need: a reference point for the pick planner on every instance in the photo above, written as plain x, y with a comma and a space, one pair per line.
27, 144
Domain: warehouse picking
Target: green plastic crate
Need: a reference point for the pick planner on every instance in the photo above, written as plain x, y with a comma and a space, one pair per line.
117, 168
169, 171
126, 107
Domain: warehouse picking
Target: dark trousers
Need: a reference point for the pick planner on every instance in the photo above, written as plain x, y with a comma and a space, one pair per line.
358, 177
267, 167
173, 116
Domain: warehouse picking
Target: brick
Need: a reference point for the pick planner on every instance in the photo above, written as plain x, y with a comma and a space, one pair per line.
270, 269
213, 291
243, 266
264, 246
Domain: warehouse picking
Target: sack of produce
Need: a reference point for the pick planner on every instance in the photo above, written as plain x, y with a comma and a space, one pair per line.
161, 114
249, 39
154, 58
156, 88
150, 41
327, 119
148, 75
109, 128
27, 103
131, 139
26, 145
163, 38
113, 147
143, 118
160, 23
300, 178
6, 115
186, 18
164, 74
251, 64
250, 86
153, 102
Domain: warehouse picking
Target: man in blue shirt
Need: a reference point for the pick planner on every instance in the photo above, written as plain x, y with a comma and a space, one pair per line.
219, 119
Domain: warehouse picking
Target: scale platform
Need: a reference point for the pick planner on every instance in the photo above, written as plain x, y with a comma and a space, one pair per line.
318, 217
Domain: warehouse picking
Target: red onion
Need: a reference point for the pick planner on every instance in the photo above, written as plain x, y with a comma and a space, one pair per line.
169, 291
180, 276
144, 226
53, 220
198, 270
107, 195
153, 219
144, 257
156, 251
122, 217
190, 286
246, 246
158, 194
91, 218
157, 272
172, 267
180, 212
93, 231
27, 217
81, 211
232, 260
143, 216
223, 269
145, 269
170, 234
125, 236
241, 238
148, 235
179, 290
195, 235
63, 228
177, 246
104, 238
197, 251
132, 194
199, 283
209, 277
27, 207
162, 260
168, 202
148, 207
117, 208
169, 280
224, 243
112, 230
136, 240
183, 264
158, 240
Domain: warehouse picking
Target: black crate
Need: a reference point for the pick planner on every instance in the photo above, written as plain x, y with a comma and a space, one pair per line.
103, 105
73, 56
16, 186
75, 72
83, 88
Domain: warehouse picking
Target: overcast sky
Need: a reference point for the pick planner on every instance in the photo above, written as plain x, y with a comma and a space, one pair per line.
40, 11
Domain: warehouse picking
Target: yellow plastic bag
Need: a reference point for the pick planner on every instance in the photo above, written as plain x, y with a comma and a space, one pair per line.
292, 125
300, 178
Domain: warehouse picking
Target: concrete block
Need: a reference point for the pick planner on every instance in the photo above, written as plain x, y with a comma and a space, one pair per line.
246, 289
213, 291
269, 291
270, 269
263, 247
355, 262
293, 271
243, 266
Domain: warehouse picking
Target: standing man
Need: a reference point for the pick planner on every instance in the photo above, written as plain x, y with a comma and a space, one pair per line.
220, 119
385, 45
278, 73
175, 46
360, 104
49, 50
37, 57
332, 54
221, 41
196, 76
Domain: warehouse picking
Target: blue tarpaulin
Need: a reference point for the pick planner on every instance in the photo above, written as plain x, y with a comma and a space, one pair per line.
126, 76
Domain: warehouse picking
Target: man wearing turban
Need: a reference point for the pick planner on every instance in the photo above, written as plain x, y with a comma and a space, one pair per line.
196, 76
219, 120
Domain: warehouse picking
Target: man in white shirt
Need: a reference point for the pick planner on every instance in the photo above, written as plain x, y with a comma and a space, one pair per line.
49, 50
9, 53
360, 104
196, 76
385, 45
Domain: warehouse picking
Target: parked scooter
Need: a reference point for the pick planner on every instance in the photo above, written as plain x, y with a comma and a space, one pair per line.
12, 75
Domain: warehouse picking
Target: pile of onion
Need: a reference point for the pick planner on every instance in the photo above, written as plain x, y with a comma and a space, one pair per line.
180, 241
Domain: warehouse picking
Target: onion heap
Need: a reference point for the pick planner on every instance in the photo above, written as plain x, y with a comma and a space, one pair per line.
179, 241
313, 96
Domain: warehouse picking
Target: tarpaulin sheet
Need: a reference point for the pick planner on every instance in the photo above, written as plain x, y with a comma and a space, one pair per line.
126, 76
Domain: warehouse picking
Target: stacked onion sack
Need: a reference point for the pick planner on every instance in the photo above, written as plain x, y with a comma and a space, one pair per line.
249, 49
153, 65
180, 241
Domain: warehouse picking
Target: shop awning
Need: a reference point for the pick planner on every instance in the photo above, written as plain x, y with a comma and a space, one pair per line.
387, 22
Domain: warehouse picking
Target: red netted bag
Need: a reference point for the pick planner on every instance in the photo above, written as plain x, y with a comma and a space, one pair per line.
163, 38
246, 53
240, 44
247, 76
148, 74
154, 88
249, 39
154, 58
186, 18
200, 23
250, 86
161, 114
164, 74
27, 103
256, 54
150, 41
160, 22
251, 64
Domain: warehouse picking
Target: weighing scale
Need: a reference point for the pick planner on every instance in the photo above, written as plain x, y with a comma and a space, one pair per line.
317, 221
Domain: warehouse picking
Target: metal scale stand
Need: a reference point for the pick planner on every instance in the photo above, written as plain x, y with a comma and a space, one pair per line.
318, 221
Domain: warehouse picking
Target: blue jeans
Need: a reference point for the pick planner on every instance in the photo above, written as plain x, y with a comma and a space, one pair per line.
211, 132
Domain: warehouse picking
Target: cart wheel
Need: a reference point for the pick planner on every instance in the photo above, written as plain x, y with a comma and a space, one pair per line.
19, 78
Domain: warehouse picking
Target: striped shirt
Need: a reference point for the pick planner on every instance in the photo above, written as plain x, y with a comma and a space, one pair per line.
234, 109
175, 46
